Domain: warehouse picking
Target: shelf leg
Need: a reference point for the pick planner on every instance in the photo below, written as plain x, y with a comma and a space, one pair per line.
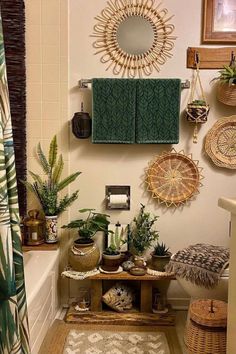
146, 296
96, 295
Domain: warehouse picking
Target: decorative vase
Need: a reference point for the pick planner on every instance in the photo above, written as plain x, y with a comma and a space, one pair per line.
159, 262
139, 261
227, 94
84, 257
111, 263
51, 229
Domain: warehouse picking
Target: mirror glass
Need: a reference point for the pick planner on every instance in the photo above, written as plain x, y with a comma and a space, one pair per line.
135, 35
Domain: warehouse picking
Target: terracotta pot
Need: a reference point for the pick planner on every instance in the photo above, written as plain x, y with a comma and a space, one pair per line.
159, 262
111, 263
51, 229
84, 257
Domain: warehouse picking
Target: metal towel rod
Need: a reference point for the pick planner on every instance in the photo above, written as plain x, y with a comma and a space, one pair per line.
83, 84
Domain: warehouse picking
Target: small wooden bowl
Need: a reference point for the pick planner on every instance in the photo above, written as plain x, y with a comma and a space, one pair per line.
138, 270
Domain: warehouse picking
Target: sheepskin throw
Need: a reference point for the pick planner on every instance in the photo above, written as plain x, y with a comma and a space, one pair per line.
201, 264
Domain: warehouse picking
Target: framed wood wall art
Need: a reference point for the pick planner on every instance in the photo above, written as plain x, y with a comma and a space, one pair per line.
219, 21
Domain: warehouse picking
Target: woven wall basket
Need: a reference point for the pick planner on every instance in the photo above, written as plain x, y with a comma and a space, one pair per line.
227, 94
220, 142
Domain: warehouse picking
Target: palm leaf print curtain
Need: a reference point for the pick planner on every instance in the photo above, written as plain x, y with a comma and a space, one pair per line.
14, 337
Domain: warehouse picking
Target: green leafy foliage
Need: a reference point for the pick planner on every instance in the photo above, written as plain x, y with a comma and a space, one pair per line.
118, 238
141, 232
89, 226
227, 74
111, 251
199, 103
161, 250
47, 191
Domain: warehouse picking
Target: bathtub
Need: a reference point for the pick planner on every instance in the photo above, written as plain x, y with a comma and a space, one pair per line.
41, 281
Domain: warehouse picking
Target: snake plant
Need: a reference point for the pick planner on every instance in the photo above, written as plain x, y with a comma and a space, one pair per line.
47, 191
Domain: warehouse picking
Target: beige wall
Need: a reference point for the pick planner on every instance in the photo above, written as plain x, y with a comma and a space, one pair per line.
200, 221
47, 85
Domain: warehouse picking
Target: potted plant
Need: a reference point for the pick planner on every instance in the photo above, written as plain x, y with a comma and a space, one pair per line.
226, 92
160, 257
84, 254
48, 190
111, 258
141, 234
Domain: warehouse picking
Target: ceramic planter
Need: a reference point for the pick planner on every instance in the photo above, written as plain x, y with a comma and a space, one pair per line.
111, 263
84, 257
159, 262
51, 229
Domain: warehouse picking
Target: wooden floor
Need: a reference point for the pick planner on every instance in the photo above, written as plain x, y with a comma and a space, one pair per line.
56, 336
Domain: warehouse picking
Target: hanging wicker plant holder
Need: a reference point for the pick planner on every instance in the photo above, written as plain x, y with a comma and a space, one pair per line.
197, 110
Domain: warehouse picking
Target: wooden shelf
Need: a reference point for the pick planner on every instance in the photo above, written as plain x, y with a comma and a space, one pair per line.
128, 276
42, 247
117, 318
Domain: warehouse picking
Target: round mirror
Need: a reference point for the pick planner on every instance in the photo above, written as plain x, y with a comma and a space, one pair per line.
135, 35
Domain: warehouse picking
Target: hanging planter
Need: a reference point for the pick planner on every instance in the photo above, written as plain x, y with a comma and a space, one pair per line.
197, 109
227, 94
226, 91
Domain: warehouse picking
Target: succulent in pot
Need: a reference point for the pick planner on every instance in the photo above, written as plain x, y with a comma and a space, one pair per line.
111, 259
226, 92
84, 254
160, 257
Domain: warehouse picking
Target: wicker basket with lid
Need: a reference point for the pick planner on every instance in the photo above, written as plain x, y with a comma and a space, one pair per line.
206, 331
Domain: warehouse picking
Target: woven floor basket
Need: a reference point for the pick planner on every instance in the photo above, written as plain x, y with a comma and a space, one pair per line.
206, 331
227, 94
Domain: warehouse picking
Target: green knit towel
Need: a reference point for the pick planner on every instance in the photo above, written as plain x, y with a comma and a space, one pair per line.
113, 111
157, 111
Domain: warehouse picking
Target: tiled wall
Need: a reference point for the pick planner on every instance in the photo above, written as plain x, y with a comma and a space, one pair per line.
47, 84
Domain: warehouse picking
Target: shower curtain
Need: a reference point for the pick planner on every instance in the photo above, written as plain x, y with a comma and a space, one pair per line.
14, 337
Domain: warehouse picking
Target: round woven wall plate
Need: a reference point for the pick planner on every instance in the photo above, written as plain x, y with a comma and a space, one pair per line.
173, 178
220, 143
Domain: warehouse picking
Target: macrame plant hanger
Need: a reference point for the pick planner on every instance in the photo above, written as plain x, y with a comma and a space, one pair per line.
197, 109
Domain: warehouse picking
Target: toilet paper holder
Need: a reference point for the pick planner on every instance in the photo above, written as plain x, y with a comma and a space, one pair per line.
117, 197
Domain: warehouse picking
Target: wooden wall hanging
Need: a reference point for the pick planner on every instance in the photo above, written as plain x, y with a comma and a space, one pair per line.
13, 22
173, 178
114, 56
211, 58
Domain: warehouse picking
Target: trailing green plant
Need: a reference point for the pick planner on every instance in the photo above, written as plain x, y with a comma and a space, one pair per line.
141, 233
111, 251
88, 227
47, 191
160, 249
227, 74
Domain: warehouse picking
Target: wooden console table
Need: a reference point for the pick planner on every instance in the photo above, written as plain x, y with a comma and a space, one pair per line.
142, 317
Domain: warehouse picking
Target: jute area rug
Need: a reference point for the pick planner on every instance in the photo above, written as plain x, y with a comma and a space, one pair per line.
64, 338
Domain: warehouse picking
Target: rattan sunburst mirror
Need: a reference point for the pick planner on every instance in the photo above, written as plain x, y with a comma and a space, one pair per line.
173, 178
133, 37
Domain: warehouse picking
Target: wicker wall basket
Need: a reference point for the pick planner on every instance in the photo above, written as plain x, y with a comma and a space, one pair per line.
227, 94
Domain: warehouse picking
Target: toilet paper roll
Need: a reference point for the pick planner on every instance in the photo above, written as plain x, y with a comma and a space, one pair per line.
118, 199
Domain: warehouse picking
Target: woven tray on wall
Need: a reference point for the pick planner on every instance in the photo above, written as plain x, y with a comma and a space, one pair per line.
173, 178
220, 142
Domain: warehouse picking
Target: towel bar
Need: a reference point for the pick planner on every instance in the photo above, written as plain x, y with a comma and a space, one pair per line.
83, 84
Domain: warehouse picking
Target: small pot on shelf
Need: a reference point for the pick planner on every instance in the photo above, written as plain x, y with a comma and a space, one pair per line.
160, 257
111, 260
